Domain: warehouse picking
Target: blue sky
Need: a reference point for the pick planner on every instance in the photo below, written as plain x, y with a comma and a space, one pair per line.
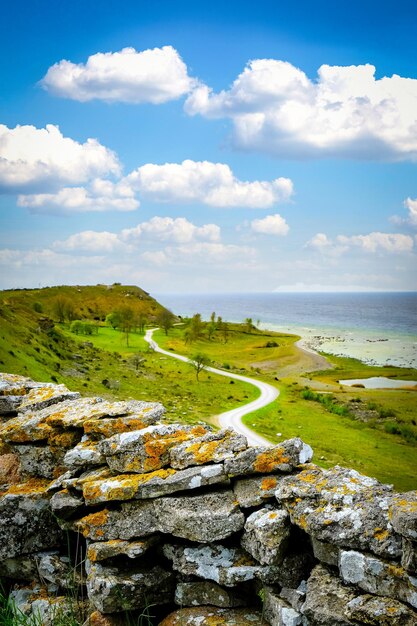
209, 146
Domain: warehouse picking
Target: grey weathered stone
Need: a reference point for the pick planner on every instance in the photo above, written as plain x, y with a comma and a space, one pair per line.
203, 616
294, 597
262, 460
26, 521
377, 611
208, 593
102, 550
210, 448
36, 605
83, 455
65, 504
57, 569
341, 507
203, 518
403, 514
379, 577
151, 484
146, 450
22, 567
325, 552
409, 556
277, 611
37, 461
266, 535
226, 566
132, 519
327, 599
46, 395
256, 490
111, 590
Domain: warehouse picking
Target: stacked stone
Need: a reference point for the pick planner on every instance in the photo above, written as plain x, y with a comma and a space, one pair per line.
181, 515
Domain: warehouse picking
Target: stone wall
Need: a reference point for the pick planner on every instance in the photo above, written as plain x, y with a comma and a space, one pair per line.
103, 502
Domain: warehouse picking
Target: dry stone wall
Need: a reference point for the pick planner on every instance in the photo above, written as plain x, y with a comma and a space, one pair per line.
188, 524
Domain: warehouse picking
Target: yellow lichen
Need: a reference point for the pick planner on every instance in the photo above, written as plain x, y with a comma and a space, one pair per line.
270, 460
380, 534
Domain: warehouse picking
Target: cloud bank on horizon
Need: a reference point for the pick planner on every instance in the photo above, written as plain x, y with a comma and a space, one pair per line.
273, 109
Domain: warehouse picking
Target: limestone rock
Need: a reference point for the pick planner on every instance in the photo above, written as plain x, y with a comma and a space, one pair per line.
13, 389
20, 568
294, 597
151, 484
46, 395
377, 611
403, 514
342, 507
85, 454
26, 521
146, 450
210, 616
295, 568
379, 577
409, 556
132, 519
111, 590
207, 593
9, 469
226, 566
65, 504
278, 612
250, 492
36, 461
109, 426
210, 448
262, 460
102, 550
325, 552
57, 569
203, 518
327, 599
266, 535
40, 605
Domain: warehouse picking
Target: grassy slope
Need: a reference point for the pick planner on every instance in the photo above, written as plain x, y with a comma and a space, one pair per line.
65, 357
335, 439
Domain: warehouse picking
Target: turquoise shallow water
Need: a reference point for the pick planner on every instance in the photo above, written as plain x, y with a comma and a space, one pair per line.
377, 328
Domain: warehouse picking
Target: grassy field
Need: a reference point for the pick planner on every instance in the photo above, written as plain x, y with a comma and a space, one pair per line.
336, 439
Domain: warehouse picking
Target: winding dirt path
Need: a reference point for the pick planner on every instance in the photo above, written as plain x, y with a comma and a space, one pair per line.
233, 418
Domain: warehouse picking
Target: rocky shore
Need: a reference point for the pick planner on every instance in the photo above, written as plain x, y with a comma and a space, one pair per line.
105, 503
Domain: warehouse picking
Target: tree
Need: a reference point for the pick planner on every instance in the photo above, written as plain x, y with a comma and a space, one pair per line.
63, 309
195, 328
113, 319
200, 362
137, 360
127, 316
141, 321
249, 324
166, 320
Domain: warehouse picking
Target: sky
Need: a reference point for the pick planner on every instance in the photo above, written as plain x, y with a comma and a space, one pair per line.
209, 147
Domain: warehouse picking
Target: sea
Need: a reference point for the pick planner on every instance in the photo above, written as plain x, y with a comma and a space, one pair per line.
377, 328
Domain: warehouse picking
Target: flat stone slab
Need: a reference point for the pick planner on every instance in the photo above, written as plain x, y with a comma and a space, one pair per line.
146, 450
210, 616
266, 535
256, 490
207, 592
151, 484
132, 519
380, 611
46, 395
111, 590
278, 611
225, 566
342, 507
378, 577
102, 550
403, 514
284, 457
211, 448
83, 455
26, 520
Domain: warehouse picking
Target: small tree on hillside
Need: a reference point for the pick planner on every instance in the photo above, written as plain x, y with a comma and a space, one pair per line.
166, 320
249, 324
200, 362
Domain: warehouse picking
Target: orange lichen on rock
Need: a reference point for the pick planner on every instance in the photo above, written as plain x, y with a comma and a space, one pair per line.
203, 452
93, 521
31, 486
270, 460
381, 534
269, 483
121, 487
113, 426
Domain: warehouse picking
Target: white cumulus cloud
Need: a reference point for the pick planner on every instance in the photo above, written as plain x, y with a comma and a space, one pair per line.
213, 184
346, 112
101, 195
371, 242
178, 230
34, 158
155, 76
270, 225
90, 241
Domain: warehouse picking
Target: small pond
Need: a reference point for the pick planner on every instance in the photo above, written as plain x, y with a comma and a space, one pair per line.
379, 382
